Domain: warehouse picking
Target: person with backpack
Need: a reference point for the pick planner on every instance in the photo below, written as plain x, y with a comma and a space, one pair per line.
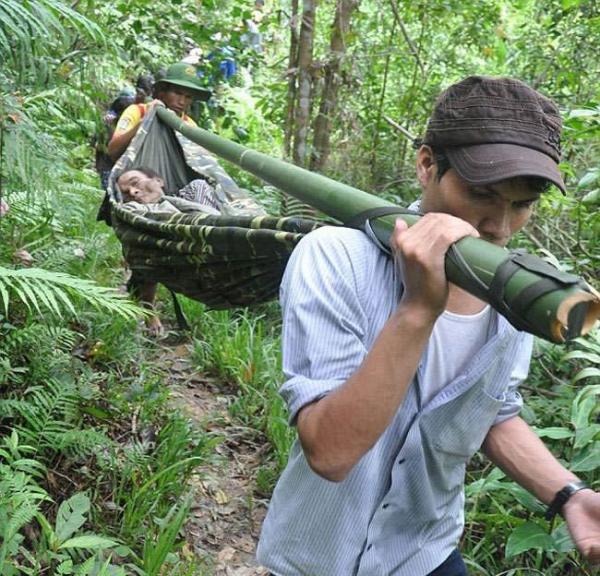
103, 161
179, 87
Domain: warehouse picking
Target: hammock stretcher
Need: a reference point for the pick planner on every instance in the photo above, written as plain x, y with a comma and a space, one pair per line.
225, 261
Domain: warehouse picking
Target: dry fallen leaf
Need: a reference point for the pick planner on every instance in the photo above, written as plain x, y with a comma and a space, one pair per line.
220, 497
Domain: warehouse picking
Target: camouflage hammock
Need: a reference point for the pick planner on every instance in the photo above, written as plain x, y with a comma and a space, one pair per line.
234, 259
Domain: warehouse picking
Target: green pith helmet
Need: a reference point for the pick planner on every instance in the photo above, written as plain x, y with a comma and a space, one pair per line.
183, 74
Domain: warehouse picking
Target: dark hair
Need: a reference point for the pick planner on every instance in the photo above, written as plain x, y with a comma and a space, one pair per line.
119, 104
536, 184
441, 161
144, 170
144, 82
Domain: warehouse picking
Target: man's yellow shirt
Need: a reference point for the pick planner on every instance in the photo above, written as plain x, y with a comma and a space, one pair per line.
134, 114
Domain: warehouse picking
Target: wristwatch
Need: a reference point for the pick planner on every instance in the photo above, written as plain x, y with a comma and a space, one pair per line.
561, 497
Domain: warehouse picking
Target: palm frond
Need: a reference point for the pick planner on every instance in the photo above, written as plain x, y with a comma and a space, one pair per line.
56, 293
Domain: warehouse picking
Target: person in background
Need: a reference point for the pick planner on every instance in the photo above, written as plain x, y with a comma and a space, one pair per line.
143, 88
179, 87
252, 37
104, 162
176, 90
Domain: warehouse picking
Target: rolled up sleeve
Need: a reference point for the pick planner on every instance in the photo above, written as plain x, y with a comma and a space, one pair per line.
513, 401
323, 319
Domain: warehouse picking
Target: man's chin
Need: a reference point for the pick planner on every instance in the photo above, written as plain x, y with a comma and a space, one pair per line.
502, 242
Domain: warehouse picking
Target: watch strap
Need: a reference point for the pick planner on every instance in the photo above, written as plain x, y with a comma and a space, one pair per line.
562, 496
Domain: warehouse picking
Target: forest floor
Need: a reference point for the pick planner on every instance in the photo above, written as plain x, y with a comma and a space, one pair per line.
227, 512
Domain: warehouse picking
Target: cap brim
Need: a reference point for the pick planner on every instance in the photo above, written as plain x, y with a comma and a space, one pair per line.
489, 163
201, 93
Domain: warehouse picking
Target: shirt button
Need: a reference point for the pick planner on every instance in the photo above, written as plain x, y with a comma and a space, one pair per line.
401, 461
384, 506
369, 547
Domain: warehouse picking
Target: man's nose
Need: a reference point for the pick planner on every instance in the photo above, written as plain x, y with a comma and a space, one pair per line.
496, 226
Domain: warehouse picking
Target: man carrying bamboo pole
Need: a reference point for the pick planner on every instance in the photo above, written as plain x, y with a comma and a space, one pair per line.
395, 377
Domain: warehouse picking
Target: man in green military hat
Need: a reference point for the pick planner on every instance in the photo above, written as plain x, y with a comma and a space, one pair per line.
176, 90
179, 87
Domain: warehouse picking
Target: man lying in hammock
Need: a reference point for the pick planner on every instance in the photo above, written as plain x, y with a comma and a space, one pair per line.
142, 190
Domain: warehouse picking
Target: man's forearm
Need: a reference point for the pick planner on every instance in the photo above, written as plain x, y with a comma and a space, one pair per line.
119, 142
515, 448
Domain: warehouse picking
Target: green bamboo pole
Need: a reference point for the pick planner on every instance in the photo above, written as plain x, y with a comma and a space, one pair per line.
562, 314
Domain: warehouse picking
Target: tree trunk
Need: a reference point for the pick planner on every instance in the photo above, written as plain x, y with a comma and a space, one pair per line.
292, 74
333, 81
299, 100
386, 70
304, 94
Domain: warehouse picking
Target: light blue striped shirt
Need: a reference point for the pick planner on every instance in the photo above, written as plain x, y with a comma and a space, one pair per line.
400, 510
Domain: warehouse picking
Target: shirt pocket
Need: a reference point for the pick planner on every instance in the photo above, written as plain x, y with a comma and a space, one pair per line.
453, 432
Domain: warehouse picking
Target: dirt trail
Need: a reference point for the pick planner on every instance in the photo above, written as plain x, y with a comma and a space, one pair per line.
227, 514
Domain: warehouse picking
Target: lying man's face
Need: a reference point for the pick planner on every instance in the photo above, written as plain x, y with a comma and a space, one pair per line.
135, 185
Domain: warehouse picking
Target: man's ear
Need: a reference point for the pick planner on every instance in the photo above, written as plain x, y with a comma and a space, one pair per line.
426, 166
160, 181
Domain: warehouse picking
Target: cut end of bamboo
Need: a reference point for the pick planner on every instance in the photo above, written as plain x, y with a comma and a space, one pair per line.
576, 316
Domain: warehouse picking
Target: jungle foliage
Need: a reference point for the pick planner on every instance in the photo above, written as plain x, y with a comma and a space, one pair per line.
94, 463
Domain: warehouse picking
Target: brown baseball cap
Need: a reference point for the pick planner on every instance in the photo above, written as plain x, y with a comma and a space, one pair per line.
492, 129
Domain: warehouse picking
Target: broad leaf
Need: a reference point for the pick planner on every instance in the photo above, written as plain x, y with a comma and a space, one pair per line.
588, 459
583, 405
562, 539
586, 435
89, 542
526, 537
556, 433
587, 373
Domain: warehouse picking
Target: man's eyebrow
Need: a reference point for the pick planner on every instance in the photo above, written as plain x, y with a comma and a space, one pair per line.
488, 189
482, 189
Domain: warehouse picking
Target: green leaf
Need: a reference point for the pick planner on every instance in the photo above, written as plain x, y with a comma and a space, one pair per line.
65, 567
562, 539
556, 433
528, 536
71, 516
526, 499
587, 373
583, 405
592, 197
583, 112
588, 178
588, 459
89, 542
582, 412
586, 435
583, 355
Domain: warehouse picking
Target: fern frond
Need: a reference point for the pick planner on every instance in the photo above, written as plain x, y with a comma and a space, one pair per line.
44, 22
44, 414
80, 443
56, 292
